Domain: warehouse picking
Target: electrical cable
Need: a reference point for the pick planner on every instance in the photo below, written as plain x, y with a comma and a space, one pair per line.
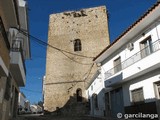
47, 44
63, 82
75, 60
84, 79
89, 72
31, 90
62, 51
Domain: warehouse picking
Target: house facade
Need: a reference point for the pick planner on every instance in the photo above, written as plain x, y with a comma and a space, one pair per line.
76, 34
23, 104
95, 94
36, 109
14, 49
130, 71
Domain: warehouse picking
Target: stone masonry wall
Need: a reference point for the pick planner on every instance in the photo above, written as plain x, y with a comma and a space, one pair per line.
63, 75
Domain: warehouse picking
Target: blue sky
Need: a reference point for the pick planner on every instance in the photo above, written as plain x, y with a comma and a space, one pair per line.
122, 13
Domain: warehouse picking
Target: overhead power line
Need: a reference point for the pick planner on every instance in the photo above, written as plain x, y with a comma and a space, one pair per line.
75, 60
47, 44
33, 91
89, 72
58, 49
66, 82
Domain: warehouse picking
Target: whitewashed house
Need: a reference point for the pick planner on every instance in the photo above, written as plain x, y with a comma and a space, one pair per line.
23, 104
96, 95
14, 50
129, 79
36, 109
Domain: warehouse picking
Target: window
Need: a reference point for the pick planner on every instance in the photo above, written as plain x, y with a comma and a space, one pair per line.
117, 65
95, 100
157, 89
146, 47
88, 105
137, 95
77, 45
17, 45
79, 95
91, 87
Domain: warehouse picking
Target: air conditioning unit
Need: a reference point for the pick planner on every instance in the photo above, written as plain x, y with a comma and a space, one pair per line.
130, 46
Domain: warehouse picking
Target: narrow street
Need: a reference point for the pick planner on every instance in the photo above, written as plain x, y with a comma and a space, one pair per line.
79, 60
47, 117
54, 117
51, 117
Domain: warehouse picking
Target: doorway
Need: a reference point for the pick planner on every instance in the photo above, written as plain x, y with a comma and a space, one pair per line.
117, 105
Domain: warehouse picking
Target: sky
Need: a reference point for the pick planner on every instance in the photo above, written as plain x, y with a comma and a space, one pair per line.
122, 13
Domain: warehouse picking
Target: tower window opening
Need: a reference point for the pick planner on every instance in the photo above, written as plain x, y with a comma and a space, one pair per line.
77, 45
79, 95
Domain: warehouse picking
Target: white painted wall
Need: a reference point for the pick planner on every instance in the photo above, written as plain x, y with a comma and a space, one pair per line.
142, 66
22, 3
97, 88
135, 76
124, 53
146, 82
21, 100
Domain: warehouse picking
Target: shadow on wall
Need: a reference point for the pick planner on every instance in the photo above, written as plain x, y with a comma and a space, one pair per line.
74, 106
149, 106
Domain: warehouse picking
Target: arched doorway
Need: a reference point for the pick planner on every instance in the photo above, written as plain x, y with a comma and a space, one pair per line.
79, 95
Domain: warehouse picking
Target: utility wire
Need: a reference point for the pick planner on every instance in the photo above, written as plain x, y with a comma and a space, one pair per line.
75, 60
31, 90
66, 82
63, 82
89, 72
62, 51
47, 44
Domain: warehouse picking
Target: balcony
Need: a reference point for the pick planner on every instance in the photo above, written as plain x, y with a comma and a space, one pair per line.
17, 63
4, 51
144, 61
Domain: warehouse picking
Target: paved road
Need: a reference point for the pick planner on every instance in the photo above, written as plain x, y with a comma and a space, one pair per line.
32, 117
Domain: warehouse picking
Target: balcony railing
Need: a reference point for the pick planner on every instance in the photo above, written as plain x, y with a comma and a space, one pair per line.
17, 47
155, 46
3, 32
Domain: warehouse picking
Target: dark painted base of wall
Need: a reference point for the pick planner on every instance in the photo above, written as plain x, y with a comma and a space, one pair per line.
144, 108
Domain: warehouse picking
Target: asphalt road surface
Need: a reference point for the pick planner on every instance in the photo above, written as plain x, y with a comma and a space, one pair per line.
41, 117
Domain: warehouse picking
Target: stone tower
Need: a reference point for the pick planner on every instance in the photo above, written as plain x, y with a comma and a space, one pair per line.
80, 36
